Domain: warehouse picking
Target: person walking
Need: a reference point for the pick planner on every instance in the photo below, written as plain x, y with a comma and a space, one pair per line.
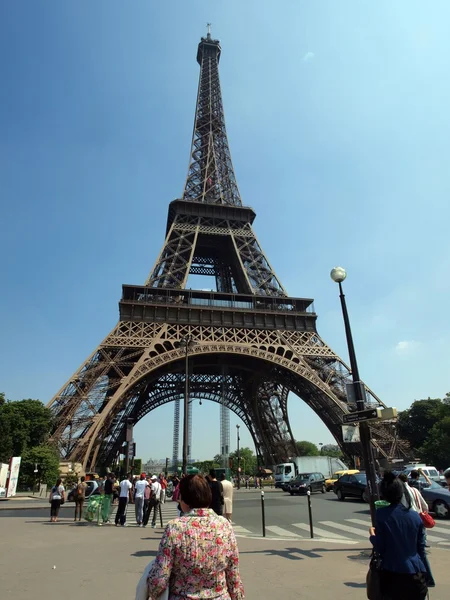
155, 497
198, 555
79, 496
163, 482
124, 498
109, 495
227, 488
57, 496
217, 500
139, 497
399, 539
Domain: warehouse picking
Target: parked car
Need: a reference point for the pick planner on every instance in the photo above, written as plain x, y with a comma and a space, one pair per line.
304, 482
351, 486
329, 483
437, 498
2, 492
92, 489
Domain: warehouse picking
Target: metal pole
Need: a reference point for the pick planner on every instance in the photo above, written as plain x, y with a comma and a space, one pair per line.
311, 530
366, 444
167, 467
186, 407
160, 515
239, 460
263, 514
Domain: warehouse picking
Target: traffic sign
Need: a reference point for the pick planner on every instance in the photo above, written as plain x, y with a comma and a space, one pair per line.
369, 414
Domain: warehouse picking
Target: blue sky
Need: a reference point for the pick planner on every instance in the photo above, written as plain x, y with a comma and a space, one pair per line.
337, 117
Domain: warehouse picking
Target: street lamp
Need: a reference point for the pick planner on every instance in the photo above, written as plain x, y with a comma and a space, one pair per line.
239, 459
186, 342
338, 274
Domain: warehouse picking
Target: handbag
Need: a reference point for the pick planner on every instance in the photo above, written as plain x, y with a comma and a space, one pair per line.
141, 588
427, 520
373, 578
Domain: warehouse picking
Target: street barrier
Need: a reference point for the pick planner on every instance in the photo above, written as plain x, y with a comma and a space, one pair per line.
263, 514
308, 493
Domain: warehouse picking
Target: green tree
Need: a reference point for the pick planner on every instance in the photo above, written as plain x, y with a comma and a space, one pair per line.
436, 449
46, 458
248, 461
205, 465
305, 448
24, 424
416, 423
332, 450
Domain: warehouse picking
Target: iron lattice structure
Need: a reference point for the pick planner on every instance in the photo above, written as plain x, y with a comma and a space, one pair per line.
253, 343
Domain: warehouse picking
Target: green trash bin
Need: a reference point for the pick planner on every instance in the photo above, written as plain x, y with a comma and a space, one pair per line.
381, 504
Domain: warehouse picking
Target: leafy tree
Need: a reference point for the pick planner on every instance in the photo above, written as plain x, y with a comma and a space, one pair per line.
332, 450
305, 448
249, 462
416, 423
24, 424
205, 465
2, 398
47, 459
436, 449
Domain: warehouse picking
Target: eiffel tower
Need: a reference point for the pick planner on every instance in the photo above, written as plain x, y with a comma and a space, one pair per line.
253, 344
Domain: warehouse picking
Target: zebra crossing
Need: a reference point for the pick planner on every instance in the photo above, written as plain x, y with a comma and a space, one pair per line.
168, 511
347, 531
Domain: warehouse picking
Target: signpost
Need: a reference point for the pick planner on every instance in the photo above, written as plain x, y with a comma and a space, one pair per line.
370, 414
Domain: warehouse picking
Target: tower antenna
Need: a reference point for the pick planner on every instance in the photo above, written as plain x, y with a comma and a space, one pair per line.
208, 25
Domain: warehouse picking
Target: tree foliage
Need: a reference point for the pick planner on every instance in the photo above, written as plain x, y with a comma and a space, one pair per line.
426, 426
24, 425
332, 450
248, 462
46, 458
305, 448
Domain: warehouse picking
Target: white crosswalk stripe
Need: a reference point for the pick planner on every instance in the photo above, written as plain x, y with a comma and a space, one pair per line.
319, 532
347, 528
281, 531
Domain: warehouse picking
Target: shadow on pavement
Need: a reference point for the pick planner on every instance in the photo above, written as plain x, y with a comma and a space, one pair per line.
141, 553
352, 584
301, 553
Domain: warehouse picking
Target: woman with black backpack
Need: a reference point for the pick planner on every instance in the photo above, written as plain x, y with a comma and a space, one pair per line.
57, 497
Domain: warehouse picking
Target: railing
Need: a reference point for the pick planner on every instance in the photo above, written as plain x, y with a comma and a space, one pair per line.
145, 295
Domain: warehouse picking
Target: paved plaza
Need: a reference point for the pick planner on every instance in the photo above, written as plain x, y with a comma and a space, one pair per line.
101, 561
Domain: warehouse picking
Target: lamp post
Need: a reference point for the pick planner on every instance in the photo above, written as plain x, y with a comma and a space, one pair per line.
186, 343
239, 459
338, 274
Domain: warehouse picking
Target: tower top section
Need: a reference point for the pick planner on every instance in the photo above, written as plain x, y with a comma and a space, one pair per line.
211, 177
208, 46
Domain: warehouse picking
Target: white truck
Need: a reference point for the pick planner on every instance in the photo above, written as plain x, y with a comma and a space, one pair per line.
327, 465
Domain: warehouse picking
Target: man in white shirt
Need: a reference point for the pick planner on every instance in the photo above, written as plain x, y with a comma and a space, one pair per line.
155, 497
125, 495
139, 491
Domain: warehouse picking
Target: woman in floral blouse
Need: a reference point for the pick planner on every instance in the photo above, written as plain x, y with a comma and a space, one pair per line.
198, 556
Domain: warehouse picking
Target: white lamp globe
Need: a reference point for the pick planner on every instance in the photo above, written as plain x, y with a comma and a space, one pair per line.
338, 274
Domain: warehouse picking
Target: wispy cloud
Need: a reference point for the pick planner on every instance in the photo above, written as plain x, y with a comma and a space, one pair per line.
308, 57
406, 347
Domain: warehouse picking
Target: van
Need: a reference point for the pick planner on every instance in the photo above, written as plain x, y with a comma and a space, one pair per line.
329, 483
430, 472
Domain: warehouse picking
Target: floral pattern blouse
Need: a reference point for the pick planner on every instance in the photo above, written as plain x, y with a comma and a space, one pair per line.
198, 558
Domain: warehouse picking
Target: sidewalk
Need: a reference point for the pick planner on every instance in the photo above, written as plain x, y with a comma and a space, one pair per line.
90, 558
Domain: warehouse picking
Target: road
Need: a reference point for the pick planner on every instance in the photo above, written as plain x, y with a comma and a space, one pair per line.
286, 517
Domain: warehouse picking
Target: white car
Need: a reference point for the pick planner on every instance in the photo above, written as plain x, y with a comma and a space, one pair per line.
2, 492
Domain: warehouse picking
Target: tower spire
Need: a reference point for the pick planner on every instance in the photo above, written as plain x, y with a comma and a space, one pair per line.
211, 177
